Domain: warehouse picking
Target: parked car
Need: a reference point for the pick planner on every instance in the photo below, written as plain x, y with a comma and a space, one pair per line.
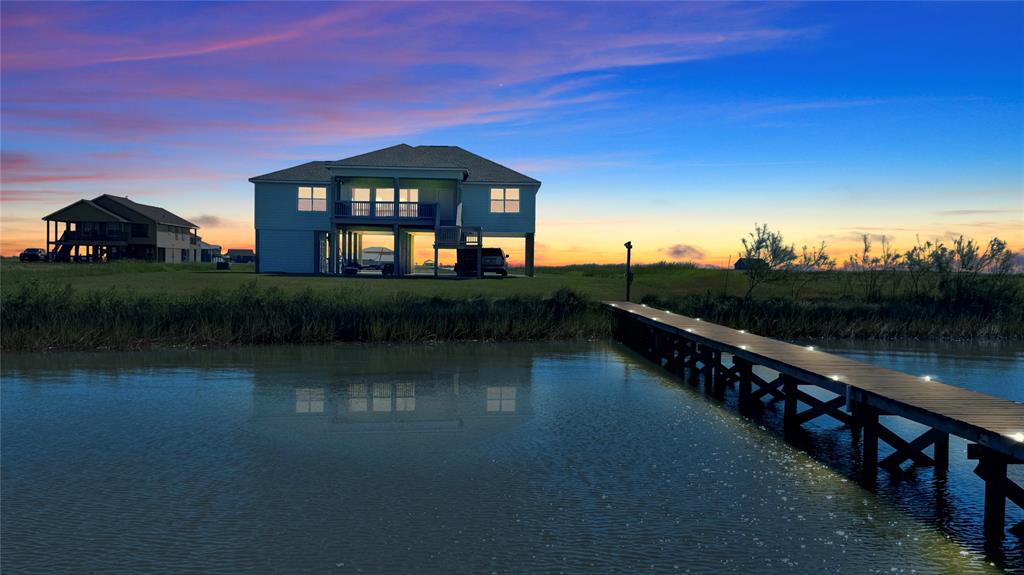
493, 260
33, 255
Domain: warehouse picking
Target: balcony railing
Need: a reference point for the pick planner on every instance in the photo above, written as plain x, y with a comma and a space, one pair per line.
379, 210
94, 235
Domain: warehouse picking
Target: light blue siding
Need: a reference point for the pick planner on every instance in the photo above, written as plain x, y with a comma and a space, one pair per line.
476, 210
286, 251
277, 207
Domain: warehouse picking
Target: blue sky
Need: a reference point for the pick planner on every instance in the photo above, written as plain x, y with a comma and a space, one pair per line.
668, 124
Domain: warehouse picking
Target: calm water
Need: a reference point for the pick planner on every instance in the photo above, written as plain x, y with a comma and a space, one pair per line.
452, 458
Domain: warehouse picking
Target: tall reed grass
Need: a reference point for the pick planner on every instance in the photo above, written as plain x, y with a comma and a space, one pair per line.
34, 318
898, 318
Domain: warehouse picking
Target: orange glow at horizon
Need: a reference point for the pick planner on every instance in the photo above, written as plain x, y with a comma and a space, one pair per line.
563, 243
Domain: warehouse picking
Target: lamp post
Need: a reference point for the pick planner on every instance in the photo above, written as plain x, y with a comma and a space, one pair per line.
629, 272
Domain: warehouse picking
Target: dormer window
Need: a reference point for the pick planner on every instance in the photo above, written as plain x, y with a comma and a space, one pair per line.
312, 199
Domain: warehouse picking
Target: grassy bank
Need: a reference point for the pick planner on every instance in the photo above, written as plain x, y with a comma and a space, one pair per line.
38, 319
132, 305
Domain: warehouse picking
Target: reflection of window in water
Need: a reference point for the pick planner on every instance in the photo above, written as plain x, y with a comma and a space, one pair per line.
501, 398
405, 397
309, 400
382, 397
357, 397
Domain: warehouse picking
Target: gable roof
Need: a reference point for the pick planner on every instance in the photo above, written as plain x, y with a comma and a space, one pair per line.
84, 210
480, 169
158, 215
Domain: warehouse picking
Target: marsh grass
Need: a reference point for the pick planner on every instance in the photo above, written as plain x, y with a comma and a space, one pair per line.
45, 319
896, 318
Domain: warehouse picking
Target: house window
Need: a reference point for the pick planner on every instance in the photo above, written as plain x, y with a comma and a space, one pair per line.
501, 398
309, 400
360, 202
312, 199
408, 203
385, 205
504, 200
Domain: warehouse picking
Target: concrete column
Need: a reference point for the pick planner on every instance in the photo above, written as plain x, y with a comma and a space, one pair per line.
333, 266
396, 183
397, 256
529, 255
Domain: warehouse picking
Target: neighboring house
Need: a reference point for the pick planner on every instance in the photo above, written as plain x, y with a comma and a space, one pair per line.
306, 213
208, 252
748, 263
110, 227
241, 256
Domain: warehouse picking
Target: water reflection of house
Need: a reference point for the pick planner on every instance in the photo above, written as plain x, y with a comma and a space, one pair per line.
388, 399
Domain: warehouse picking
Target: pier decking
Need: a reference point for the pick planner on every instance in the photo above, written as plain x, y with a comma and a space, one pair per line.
693, 349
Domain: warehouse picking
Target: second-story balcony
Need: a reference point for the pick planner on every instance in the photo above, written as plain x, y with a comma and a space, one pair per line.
385, 210
93, 235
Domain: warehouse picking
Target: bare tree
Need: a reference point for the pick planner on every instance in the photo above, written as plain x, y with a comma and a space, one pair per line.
872, 270
918, 264
766, 256
810, 266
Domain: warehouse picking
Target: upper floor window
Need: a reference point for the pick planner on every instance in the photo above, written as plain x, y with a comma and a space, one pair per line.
360, 194
504, 200
312, 199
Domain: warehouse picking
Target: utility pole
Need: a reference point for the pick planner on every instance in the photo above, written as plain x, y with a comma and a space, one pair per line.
629, 272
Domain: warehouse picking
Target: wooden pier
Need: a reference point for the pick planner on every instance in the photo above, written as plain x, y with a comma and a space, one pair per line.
694, 349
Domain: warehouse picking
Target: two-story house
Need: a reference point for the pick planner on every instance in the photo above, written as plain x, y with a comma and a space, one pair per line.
111, 227
312, 218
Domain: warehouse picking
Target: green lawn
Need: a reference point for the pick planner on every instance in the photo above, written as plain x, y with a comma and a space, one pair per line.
599, 282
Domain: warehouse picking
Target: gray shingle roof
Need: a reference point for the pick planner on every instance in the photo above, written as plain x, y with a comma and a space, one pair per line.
158, 215
308, 172
405, 156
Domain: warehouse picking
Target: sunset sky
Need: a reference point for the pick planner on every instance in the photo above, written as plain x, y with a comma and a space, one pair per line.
676, 126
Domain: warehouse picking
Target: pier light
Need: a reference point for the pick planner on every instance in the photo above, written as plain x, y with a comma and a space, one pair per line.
643, 305
689, 329
834, 377
1019, 436
926, 377
743, 347
696, 319
810, 347
743, 331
